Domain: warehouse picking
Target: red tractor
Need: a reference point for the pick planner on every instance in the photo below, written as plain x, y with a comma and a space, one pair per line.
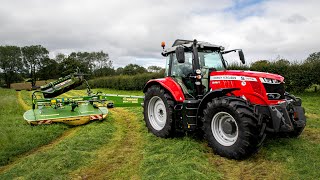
234, 109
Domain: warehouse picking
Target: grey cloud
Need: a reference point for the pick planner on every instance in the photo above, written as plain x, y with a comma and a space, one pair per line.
295, 19
131, 31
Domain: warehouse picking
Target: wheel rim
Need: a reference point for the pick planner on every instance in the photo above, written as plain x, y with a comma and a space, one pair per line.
157, 113
224, 128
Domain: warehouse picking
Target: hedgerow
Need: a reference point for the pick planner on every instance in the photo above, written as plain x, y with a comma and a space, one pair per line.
123, 82
298, 75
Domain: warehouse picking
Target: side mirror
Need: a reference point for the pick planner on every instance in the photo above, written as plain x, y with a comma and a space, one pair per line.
241, 56
180, 54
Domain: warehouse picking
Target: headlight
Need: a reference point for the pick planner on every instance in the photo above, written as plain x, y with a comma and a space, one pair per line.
273, 96
269, 81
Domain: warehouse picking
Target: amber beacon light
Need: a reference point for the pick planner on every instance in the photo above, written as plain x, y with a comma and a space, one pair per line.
163, 44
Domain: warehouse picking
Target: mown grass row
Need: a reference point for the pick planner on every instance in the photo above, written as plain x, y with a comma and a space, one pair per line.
121, 157
16, 136
66, 156
174, 158
20, 142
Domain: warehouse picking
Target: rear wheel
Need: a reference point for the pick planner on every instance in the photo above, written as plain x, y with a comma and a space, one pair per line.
158, 111
231, 128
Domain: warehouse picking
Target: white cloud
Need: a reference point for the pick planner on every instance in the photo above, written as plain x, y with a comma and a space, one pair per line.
131, 31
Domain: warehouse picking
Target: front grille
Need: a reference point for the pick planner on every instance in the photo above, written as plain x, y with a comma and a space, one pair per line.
274, 91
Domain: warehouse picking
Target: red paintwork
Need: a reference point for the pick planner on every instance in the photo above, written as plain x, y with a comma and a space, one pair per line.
251, 74
173, 87
252, 90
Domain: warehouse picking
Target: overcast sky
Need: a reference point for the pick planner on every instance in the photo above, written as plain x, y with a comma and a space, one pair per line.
131, 31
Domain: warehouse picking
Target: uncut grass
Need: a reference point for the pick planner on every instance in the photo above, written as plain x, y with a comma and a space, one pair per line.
26, 97
16, 136
302, 155
173, 158
68, 155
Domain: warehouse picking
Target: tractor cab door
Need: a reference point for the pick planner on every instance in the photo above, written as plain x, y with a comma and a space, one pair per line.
209, 61
181, 73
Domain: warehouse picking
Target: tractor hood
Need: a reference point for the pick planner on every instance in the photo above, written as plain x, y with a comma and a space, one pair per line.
254, 74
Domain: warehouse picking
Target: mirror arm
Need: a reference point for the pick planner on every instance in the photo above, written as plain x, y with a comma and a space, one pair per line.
164, 54
233, 50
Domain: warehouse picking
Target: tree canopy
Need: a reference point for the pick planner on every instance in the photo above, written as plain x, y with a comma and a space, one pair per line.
33, 63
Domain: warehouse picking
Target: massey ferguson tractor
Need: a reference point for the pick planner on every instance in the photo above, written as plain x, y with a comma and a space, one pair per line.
234, 109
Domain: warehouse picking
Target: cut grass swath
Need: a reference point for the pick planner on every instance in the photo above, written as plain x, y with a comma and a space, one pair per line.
66, 156
121, 157
17, 137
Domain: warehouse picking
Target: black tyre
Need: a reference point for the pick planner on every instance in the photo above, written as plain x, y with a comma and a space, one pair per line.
158, 111
231, 128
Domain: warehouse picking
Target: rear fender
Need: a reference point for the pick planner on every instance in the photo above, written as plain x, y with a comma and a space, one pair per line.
168, 84
213, 94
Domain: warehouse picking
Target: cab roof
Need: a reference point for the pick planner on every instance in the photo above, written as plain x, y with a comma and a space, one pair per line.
188, 44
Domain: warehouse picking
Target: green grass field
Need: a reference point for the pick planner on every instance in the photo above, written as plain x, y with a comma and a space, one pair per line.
121, 148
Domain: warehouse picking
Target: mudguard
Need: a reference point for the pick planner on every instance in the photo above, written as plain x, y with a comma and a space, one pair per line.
170, 85
213, 94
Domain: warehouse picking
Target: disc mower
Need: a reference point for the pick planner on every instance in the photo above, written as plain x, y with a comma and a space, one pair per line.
79, 110
234, 109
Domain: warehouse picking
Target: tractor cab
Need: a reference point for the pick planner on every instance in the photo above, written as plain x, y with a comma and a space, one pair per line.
190, 63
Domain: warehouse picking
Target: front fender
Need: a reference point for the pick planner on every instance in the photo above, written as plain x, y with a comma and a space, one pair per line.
213, 94
168, 84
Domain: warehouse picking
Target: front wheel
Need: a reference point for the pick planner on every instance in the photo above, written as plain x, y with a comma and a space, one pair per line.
231, 128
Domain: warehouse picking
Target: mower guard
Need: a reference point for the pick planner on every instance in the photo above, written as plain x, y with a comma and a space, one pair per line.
76, 110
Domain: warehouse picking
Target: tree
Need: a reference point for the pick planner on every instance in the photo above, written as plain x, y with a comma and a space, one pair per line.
71, 64
59, 57
10, 63
260, 65
49, 69
119, 71
313, 61
154, 69
101, 60
105, 71
313, 58
32, 58
91, 61
132, 69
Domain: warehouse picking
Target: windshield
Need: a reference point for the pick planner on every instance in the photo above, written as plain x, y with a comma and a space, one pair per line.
211, 59
208, 59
